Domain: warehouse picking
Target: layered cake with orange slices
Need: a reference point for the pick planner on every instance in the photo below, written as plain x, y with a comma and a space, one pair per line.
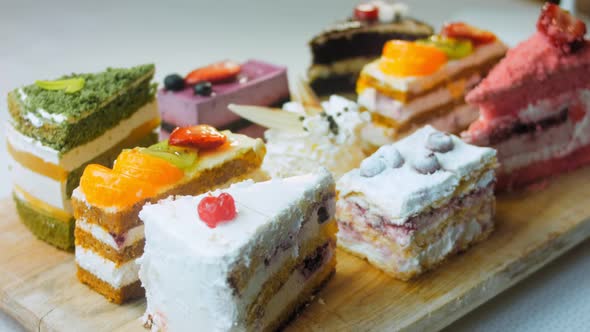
58, 127
425, 81
109, 233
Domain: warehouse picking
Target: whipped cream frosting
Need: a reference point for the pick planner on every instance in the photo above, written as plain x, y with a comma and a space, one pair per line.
332, 139
425, 178
186, 265
257, 204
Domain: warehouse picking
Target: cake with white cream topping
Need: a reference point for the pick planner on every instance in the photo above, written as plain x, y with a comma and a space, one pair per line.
414, 203
245, 258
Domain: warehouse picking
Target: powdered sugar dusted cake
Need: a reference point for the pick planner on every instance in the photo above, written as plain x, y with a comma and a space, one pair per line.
243, 259
413, 203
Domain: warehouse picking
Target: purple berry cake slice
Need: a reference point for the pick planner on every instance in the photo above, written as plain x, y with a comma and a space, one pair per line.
414, 203
202, 96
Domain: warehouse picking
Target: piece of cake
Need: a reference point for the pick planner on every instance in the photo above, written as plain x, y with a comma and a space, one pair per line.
242, 259
57, 127
302, 139
109, 234
340, 51
534, 105
203, 95
416, 202
425, 82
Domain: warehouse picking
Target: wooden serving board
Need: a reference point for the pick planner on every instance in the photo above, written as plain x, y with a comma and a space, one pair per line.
38, 286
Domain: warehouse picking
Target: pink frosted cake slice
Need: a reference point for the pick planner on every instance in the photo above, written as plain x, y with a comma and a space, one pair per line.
534, 106
414, 203
258, 83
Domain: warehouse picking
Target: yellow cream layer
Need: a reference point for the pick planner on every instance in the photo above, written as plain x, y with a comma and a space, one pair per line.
40, 205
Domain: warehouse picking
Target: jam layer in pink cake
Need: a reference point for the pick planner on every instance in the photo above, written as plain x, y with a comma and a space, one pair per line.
532, 173
540, 141
259, 83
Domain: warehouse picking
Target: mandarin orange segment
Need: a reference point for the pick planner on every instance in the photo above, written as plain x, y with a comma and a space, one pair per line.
105, 188
145, 167
403, 58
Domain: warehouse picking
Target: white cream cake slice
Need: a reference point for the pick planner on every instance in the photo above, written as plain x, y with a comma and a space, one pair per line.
252, 272
415, 202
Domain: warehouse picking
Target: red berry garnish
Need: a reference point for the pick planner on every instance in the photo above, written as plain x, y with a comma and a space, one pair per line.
461, 30
202, 137
563, 30
366, 12
218, 72
215, 210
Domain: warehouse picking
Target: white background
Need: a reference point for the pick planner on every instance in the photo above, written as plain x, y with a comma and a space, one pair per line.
45, 39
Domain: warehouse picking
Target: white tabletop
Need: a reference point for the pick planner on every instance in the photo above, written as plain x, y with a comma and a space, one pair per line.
45, 39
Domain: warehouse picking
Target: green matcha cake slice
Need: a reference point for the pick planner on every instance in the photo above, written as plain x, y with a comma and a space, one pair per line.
58, 127
63, 120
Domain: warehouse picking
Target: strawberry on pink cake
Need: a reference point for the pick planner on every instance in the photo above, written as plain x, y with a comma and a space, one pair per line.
534, 104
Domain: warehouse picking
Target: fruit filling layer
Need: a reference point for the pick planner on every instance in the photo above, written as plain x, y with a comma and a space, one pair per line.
424, 239
551, 128
116, 241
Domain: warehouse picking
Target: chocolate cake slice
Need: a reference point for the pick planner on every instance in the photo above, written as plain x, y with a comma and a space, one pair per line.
340, 51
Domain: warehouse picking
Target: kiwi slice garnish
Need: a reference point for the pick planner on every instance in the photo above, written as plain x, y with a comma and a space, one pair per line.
453, 48
183, 158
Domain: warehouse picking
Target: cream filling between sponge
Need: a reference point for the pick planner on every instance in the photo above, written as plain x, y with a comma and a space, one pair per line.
105, 270
81, 154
